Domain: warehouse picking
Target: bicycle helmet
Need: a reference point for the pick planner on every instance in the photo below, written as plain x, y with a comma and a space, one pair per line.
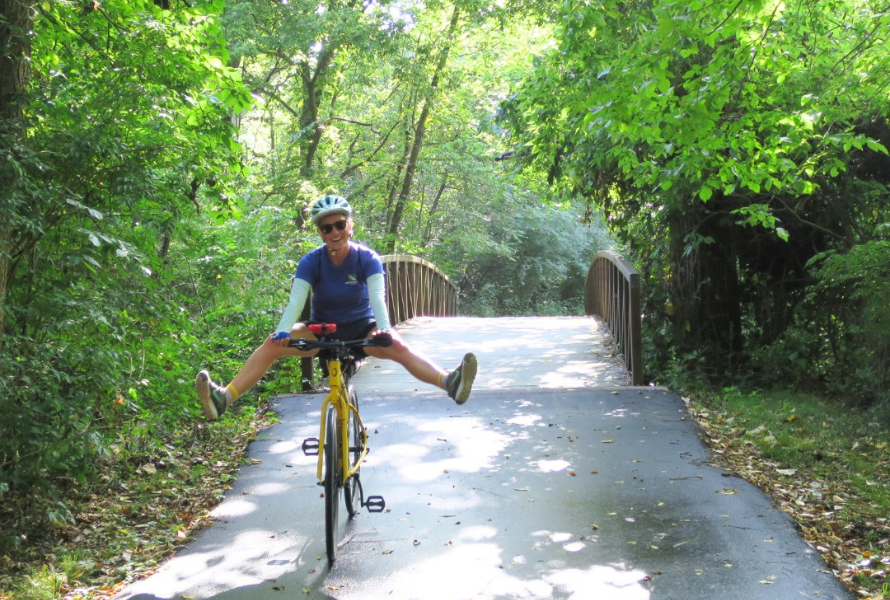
329, 205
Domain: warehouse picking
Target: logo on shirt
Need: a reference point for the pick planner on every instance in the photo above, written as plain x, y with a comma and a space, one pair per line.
351, 279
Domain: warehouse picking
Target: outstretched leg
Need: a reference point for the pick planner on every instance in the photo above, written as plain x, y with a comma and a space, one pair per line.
457, 383
215, 399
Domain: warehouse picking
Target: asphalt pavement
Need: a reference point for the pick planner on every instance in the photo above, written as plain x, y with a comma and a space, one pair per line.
581, 494
555, 480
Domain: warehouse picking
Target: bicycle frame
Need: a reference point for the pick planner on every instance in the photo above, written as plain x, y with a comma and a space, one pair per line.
338, 463
339, 398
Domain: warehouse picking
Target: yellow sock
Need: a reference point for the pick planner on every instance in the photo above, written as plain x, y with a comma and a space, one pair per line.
439, 381
234, 391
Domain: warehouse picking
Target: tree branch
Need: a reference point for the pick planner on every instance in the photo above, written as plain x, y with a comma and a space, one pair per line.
807, 223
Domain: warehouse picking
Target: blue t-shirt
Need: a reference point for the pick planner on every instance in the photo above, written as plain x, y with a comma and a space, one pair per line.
340, 294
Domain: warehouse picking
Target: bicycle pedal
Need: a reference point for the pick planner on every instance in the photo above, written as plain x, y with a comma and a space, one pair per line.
310, 446
374, 504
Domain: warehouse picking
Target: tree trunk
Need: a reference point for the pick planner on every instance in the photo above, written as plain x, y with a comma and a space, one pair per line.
393, 187
16, 18
434, 208
313, 86
705, 290
419, 132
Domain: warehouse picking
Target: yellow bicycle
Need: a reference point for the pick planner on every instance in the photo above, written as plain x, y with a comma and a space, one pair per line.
342, 444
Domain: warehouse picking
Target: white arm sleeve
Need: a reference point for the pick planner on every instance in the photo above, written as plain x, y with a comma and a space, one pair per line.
298, 295
377, 296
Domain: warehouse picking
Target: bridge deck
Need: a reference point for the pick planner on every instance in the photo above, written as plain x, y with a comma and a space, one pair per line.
514, 353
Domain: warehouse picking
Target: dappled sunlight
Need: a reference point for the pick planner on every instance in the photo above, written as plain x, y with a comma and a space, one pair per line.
464, 571
556, 536
470, 499
551, 370
523, 403
445, 445
248, 558
581, 367
574, 547
526, 420
291, 450
233, 507
400, 455
613, 582
556, 380
519, 495
477, 570
270, 488
527, 353
478, 533
491, 346
622, 413
500, 382
551, 466
557, 352
284, 446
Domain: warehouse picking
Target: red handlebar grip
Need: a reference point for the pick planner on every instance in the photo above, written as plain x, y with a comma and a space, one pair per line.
322, 328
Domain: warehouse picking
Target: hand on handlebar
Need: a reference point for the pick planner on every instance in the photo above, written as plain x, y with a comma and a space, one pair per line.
282, 338
382, 339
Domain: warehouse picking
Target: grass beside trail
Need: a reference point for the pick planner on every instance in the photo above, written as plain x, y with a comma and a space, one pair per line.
153, 495
825, 464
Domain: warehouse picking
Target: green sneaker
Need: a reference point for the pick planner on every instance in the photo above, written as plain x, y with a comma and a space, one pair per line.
460, 381
214, 398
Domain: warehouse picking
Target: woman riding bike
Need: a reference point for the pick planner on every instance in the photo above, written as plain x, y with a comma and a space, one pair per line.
348, 288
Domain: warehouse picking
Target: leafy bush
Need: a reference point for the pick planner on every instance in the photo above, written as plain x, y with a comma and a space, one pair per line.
839, 341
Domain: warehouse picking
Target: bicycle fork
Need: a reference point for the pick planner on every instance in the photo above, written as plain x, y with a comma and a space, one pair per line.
315, 447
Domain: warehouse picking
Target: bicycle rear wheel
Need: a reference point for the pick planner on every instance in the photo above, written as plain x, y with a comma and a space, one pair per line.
332, 483
351, 493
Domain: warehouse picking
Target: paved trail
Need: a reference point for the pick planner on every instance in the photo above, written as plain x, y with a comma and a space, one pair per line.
554, 481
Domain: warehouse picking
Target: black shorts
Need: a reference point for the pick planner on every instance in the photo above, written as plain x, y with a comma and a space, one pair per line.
355, 330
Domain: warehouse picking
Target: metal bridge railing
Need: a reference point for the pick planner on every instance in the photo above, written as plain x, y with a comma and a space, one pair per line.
612, 291
416, 287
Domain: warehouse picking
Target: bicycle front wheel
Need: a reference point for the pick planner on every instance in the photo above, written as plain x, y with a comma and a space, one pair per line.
351, 494
332, 482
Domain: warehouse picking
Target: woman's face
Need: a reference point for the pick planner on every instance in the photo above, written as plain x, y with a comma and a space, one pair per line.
335, 231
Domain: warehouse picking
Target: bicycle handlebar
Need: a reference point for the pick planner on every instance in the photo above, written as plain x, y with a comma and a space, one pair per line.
381, 340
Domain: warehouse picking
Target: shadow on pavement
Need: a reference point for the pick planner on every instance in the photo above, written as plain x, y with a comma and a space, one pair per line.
597, 493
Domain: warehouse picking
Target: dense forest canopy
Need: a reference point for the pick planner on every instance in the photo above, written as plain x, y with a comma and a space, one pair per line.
158, 156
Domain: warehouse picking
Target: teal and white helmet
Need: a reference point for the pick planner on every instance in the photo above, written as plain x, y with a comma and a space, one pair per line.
329, 205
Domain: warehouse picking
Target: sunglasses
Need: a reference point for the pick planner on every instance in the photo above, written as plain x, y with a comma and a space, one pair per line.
326, 229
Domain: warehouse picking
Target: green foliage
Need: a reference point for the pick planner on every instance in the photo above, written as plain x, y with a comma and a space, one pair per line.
128, 121
841, 329
148, 500
144, 242
345, 115
522, 259
153, 197
729, 144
